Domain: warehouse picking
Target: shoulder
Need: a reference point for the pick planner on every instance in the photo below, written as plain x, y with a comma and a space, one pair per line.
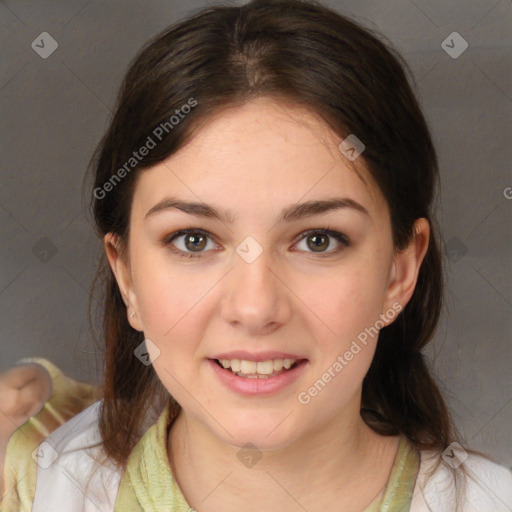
55, 457
489, 485
73, 469
470, 481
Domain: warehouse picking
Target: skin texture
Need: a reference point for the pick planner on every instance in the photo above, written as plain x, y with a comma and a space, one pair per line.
256, 160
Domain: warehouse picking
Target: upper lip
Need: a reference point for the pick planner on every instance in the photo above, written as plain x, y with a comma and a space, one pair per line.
257, 357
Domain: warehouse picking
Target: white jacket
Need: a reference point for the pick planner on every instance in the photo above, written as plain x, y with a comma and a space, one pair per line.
60, 486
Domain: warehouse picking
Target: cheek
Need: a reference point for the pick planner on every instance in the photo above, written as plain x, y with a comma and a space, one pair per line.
172, 314
347, 301
168, 299
161, 305
175, 307
344, 309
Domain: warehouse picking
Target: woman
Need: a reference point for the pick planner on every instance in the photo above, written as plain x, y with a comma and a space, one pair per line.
264, 194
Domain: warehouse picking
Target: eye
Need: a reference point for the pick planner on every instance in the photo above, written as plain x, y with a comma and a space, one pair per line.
193, 242
318, 241
189, 241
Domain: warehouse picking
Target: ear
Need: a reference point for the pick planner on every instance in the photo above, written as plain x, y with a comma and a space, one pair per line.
119, 263
406, 266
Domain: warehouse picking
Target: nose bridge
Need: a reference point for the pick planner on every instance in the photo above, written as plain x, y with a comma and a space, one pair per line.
255, 296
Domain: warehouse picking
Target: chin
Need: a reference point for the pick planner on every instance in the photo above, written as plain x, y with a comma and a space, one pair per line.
270, 433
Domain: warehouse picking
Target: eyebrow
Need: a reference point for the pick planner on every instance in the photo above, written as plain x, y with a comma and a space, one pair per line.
288, 214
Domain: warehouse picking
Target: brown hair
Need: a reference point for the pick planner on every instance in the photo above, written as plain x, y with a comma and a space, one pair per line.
313, 56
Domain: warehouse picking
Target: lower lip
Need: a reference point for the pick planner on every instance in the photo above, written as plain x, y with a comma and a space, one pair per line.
253, 387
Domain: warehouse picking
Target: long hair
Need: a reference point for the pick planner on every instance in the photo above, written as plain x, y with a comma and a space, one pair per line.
305, 53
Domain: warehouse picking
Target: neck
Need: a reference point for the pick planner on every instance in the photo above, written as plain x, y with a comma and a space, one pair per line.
339, 457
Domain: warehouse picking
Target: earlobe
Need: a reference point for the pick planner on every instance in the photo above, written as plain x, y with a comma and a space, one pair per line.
406, 265
120, 268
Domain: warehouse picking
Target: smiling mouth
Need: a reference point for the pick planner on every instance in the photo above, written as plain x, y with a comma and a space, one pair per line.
257, 370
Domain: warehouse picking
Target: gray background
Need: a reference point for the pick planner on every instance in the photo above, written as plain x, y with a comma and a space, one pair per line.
54, 110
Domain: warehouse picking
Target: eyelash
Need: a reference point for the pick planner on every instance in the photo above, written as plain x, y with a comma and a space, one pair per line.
340, 237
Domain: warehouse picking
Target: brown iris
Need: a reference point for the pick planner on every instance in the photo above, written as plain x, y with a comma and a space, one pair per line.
197, 242
317, 242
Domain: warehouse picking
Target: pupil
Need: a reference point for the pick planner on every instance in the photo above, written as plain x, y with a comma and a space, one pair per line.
193, 240
315, 239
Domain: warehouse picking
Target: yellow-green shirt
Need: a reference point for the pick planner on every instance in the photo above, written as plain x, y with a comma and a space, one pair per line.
148, 484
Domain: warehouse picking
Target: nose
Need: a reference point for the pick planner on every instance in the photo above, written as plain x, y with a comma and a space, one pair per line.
256, 298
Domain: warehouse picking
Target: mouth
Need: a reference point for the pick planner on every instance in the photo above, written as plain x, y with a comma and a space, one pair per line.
262, 378
260, 369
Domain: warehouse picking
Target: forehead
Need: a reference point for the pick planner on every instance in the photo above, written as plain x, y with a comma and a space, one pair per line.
256, 158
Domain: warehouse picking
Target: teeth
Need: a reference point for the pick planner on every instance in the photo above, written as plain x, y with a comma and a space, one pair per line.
278, 364
248, 366
264, 367
253, 369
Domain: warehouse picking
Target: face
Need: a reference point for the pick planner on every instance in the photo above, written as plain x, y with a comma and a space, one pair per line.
260, 278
